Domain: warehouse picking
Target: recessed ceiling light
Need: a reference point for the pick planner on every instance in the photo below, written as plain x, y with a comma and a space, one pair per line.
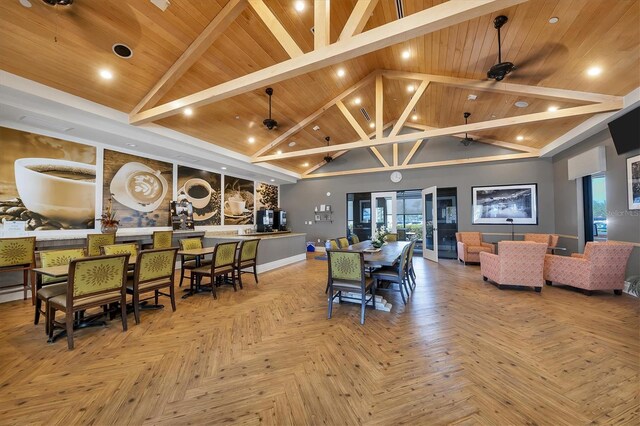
305, 164
340, 72
414, 117
552, 109
223, 168
472, 97
251, 139
411, 88
357, 101
594, 71
273, 180
372, 125
131, 144
406, 54
279, 152
520, 138
292, 143
554, 20
521, 104
299, 5
188, 112
106, 74
25, 3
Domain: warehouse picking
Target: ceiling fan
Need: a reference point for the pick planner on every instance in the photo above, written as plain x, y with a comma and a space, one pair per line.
467, 140
501, 69
328, 158
270, 123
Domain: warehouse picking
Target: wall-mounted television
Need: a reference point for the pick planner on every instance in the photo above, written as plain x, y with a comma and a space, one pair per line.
625, 131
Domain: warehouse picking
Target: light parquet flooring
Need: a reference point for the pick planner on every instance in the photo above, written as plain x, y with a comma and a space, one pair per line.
460, 352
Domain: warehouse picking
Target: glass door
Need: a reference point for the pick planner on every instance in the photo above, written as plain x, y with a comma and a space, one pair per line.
430, 224
383, 212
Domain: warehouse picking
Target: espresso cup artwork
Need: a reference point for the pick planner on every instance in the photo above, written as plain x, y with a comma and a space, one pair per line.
57, 189
138, 187
235, 205
198, 192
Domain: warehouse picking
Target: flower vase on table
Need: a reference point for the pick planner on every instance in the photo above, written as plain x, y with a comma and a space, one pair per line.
109, 223
378, 238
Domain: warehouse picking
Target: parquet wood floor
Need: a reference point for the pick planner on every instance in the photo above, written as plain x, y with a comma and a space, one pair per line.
460, 352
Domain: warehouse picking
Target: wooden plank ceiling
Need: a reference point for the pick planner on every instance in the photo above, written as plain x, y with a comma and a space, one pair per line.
65, 47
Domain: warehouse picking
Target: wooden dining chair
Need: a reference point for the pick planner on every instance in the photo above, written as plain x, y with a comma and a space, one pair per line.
18, 254
392, 237
354, 239
154, 271
396, 274
346, 273
162, 239
48, 287
411, 274
333, 245
222, 264
188, 263
127, 248
93, 282
247, 257
95, 241
343, 242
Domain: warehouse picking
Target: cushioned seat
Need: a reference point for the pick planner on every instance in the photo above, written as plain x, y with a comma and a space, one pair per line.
191, 264
207, 269
470, 245
149, 284
61, 300
351, 285
53, 290
478, 249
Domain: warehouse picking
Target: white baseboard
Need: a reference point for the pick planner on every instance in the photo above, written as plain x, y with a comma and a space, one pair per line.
281, 262
13, 293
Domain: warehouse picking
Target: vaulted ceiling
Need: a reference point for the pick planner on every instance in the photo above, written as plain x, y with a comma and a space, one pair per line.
65, 47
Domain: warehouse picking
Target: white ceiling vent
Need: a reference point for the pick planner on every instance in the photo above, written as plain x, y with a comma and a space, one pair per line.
45, 124
161, 4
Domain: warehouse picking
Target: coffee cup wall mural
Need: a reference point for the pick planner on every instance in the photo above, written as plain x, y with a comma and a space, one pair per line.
238, 201
141, 189
49, 183
202, 189
266, 196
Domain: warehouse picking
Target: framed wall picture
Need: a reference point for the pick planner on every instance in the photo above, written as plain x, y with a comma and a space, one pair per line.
493, 205
633, 182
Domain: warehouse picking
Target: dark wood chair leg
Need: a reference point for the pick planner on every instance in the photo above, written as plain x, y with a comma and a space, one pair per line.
404, 300
213, 288
373, 296
50, 317
136, 306
25, 285
156, 297
172, 295
181, 274
123, 312
36, 320
69, 324
330, 304
363, 305
255, 272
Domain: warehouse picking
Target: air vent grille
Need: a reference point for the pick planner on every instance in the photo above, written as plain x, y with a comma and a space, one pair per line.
365, 114
400, 8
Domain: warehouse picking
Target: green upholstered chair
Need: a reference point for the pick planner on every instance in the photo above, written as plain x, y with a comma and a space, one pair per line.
391, 237
127, 248
154, 271
334, 245
95, 241
18, 254
396, 274
354, 239
346, 273
188, 263
162, 239
247, 257
48, 287
224, 256
93, 282
343, 242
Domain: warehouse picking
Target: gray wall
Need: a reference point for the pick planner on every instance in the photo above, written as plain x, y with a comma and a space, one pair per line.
299, 199
622, 224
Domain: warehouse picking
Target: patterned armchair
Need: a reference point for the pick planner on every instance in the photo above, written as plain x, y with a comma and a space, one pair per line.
470, 245
550, 239
346, 274
519, 263
18, 254
223, 264
343, 242
95, 241
162, 239
601, 267
154, 272
247, 257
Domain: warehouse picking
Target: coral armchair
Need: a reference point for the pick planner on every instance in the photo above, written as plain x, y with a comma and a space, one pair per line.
519, 263
601, 267
550, 239
470, 245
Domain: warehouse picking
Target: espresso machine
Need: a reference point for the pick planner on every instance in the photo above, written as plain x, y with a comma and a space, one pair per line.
265, 220
279, 220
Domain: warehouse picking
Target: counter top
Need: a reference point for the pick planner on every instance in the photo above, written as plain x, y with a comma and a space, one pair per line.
81, 235
267, 235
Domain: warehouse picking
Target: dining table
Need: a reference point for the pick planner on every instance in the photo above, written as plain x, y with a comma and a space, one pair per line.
198, 254
387, 255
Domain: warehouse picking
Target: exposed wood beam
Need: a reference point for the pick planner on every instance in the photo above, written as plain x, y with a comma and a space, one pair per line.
276, 28
358, 18
492, 158
352, 121
379, 156
413, 151
502, 87
379, 107
464, 128
482, 139
295, 129
424, 22
217, 26
412, 103
321, 23
395, 154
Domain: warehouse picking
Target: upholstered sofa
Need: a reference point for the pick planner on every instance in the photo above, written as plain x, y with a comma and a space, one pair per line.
519, 263
550, 239
601, 267
470, 246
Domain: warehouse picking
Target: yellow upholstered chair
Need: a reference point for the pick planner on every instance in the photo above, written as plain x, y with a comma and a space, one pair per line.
392, 237
95, 241
346, 274
93, 282
222, 264
333, 245
18, 254
188, 263
48, 287
247, 257
343, 242
354, 239
162, 239
154, 271
128, 248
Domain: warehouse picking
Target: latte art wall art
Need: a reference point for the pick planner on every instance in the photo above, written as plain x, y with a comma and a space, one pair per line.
203, 190
238, 201
141, 189
46, 182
